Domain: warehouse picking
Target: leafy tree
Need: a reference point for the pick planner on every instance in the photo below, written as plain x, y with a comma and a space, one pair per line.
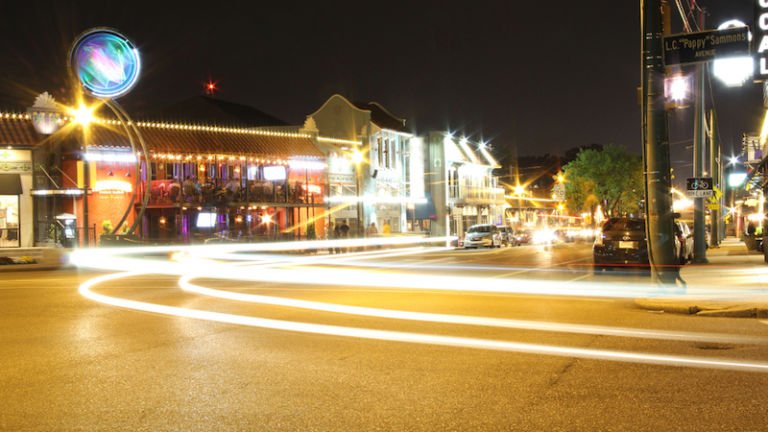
609, 177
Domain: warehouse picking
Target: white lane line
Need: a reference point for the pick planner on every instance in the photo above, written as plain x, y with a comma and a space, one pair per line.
395, 336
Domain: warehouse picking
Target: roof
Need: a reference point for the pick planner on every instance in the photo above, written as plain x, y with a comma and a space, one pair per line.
17, 130
185, 139
172, 138
210, 111
383, 118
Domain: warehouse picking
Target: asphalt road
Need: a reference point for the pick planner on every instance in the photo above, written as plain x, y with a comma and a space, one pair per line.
70, 363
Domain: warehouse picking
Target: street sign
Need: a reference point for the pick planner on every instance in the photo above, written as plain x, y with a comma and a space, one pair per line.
688, 48
713, 206
699, 187
699, 193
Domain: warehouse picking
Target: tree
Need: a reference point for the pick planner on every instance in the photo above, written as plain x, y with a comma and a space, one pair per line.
610, 177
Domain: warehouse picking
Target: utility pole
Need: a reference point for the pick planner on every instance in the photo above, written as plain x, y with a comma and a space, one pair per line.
699, 141
714, 171
658, 182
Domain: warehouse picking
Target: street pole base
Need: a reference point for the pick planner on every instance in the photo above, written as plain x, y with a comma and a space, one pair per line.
701, 260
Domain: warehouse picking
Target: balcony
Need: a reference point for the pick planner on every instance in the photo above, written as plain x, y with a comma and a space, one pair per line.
480, 196
169, 193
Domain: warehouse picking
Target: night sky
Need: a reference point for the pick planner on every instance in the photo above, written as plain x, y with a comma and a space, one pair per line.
537, 76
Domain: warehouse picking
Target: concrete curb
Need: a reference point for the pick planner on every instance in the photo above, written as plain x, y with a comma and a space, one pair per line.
701, 308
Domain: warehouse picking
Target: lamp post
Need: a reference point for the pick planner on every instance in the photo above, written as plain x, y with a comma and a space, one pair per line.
83, 116
358, 158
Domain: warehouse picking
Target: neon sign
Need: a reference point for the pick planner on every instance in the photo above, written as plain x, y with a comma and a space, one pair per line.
112, 186
761, 29
105, 62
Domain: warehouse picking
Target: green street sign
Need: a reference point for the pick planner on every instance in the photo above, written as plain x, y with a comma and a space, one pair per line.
705, 46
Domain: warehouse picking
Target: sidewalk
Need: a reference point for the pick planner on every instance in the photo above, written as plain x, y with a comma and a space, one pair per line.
733, 284
45, 258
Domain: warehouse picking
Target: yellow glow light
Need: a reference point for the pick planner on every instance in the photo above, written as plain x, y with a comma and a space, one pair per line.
357, 156
764, 130
83, 115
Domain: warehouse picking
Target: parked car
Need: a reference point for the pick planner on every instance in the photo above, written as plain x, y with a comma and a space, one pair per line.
683, 242
620, 241
507, 235
523, 236
482, 235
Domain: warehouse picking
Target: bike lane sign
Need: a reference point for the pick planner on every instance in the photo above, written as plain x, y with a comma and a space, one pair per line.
699, 187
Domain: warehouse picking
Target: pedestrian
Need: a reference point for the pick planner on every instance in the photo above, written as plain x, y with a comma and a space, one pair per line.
386, 229
372, 231
344, 229
330, 234
343, 234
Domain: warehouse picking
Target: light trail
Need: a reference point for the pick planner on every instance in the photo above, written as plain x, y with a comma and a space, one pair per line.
106, 260
185, 284
199, 262
394, 336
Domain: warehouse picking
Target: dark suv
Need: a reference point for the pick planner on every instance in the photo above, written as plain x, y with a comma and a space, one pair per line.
621, 241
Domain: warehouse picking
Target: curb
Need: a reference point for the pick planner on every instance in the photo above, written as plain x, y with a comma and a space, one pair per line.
686, 308
32, 267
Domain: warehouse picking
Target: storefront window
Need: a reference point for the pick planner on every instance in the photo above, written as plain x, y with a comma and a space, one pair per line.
9, 221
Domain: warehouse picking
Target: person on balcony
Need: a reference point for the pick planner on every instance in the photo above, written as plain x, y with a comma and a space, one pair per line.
206, 190
233, 189
174, 189
189, 189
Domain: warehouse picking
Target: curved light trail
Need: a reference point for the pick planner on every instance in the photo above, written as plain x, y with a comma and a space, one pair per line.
241, 264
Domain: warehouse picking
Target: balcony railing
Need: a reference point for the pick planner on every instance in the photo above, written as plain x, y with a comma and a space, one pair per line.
480, 196
171, 193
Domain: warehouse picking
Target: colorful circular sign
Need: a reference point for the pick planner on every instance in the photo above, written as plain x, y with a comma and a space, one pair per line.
105, 62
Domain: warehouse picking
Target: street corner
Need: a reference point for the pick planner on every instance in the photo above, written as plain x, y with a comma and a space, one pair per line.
704, 308
667, 305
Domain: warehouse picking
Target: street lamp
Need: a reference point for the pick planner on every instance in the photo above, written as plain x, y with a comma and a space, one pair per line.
733, 71
83, 115
358, 159
677, 90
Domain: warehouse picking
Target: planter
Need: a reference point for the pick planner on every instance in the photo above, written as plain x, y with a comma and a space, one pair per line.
119, 240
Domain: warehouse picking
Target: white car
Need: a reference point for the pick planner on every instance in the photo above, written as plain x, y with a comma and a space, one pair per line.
482, 235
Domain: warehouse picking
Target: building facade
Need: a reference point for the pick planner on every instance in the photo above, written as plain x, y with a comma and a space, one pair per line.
373, 177
459, 178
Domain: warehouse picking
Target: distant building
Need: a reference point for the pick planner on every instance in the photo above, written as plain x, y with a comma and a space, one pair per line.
371, 164
459, 177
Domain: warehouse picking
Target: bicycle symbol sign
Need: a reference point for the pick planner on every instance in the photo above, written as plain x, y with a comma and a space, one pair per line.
699, 187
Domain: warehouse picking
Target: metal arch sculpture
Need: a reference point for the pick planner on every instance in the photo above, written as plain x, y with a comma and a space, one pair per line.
107, 65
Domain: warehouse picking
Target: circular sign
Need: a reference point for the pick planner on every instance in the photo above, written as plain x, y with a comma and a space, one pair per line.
105, 62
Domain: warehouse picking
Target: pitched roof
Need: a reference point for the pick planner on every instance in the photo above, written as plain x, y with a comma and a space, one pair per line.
383, 118
17, 131
165, 138
210, 111
171, 138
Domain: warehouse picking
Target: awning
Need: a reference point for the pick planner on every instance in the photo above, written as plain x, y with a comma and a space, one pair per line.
10, 184
426, 210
